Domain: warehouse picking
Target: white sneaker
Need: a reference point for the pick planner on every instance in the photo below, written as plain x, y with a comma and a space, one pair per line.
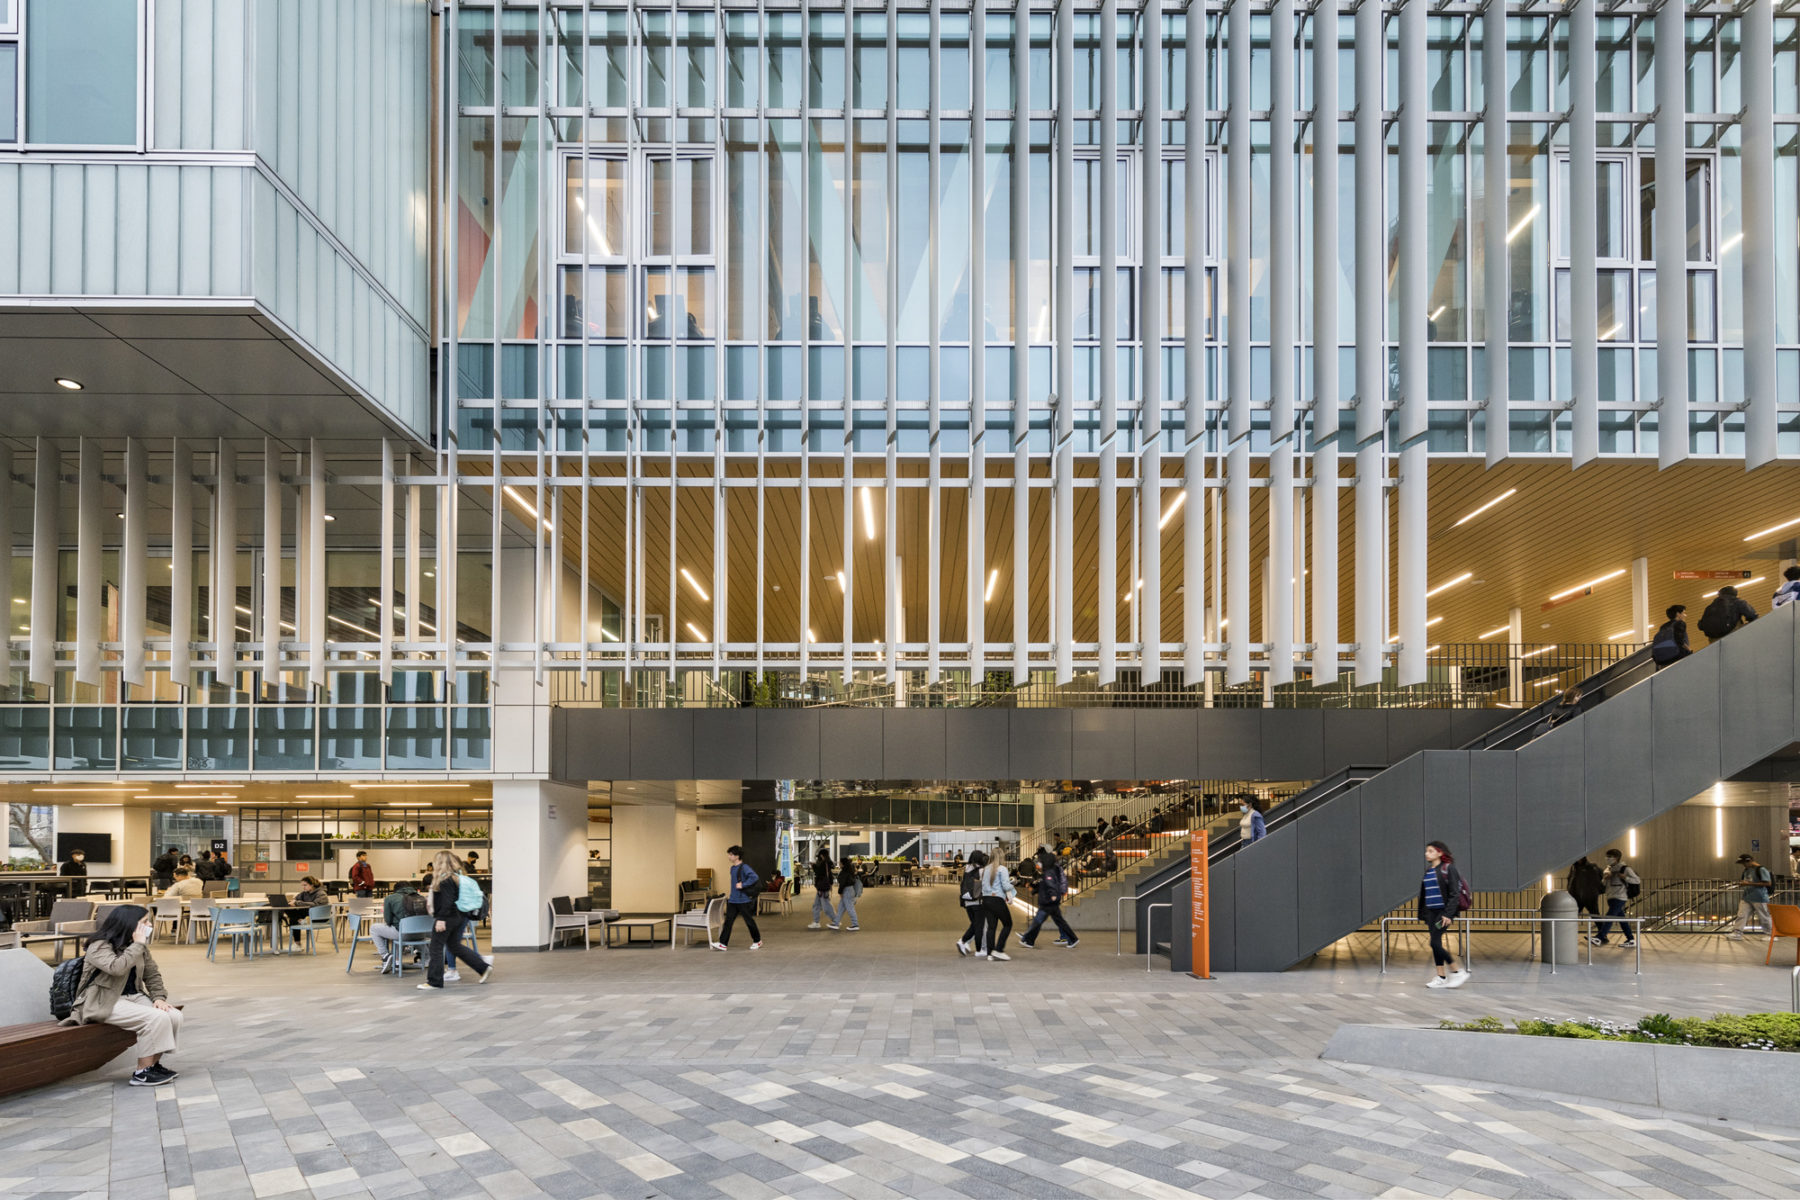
452, 976
426, 987
1734, 937
814, 925
1437, 981
962, 948
832, 927
981, 954
718, 946
997, 956
1457, 979
756, 945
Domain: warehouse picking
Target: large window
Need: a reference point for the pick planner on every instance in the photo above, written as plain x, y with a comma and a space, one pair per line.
81, 72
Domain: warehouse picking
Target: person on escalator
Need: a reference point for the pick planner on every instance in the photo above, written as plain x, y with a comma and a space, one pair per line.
1789, 591
1725, 614
1251, 827
1671, 641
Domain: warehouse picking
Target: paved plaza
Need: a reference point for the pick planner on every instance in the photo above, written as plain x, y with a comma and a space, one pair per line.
875, 1064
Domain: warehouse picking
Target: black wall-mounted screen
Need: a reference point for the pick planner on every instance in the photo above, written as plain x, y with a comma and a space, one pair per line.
308, 850
97, 846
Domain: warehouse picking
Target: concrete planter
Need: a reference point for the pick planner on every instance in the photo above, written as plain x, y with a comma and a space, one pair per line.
1754, 1086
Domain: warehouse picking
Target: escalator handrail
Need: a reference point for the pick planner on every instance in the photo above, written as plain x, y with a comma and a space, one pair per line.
1595, 689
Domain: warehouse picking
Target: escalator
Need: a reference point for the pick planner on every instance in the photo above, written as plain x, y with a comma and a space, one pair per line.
1514, 804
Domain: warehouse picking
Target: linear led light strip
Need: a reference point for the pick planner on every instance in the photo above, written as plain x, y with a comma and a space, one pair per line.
1449, 583
1745, 583
1582, 587
1762, 533
1509, 492
1538, 651
513, 494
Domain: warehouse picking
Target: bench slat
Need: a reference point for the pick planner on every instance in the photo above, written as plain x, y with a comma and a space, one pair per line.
47, 1052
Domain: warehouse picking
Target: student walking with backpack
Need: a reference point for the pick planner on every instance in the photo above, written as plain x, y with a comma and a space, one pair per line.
1622, 887
1441, 900
850, 888
1725, 614
969, 895
1754, 906
455, 900
1586, 885
821, 869
1671, 641
1051, 885
741, 900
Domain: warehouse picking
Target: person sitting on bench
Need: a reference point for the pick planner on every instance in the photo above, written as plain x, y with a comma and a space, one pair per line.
121, 986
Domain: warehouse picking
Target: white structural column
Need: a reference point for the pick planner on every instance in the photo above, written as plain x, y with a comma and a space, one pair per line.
89, 546
271, 574
1757, 248
1150, 330
386, 623
1496, 188
6, 558
1671, 233
224, 565
934, 467
540, 851
133, 560
1193, 333
45, 541
1412, 336
1021, 258
1584, 329
316, 611
1515, 646
1107, 524
1284, 312
1237, 356
1371, 351
1325, 338
1640, 600
975, 524
181, 563
1061, 574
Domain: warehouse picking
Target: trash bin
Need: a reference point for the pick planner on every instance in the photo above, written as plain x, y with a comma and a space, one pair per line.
1560, 937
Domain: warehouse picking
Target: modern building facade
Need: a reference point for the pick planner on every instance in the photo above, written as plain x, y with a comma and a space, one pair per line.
893, 354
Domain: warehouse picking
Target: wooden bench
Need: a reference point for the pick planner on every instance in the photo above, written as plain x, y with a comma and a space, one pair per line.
46, 1052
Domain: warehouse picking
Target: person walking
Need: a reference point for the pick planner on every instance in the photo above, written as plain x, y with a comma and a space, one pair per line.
1440, 900
850, 888
450, 905
1725, 614
1051, 886
1754, 906
1586, 885
821, 869
1619, 881
741, 900
362, 875
969, 894
997, 894
1671, 641
121, 985
164, 866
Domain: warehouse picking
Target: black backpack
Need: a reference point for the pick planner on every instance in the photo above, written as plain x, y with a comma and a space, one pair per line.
1719, 618
412, 904
1665, 649
971, 888
65, 988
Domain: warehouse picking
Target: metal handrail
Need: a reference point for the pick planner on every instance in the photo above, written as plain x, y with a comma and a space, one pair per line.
1150, 946
1466, 921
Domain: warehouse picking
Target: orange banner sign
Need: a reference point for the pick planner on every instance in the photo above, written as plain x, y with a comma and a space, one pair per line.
1201, 884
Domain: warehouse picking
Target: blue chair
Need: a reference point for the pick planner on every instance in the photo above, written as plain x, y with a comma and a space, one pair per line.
355, 921
234, 923
319, 919
415, 934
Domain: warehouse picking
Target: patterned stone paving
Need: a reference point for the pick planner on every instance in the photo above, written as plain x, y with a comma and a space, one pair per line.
872, 1065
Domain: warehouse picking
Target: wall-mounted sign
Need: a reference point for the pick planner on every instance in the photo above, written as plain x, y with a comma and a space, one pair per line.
1712, 574
220, 845
1202, 895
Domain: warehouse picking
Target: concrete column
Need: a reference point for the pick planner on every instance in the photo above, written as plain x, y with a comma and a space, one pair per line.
539, 851
1515, 666
645, 854
1640, 599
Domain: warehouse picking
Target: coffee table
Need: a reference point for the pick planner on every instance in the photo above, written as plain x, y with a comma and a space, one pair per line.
630, 923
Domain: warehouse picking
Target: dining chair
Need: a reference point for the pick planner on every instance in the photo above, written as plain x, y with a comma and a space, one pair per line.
361, 929
234, 923
415, 934
200, 912
319, 919
168, 912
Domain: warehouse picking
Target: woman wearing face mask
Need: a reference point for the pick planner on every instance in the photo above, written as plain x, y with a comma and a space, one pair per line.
121, 986
1251, 827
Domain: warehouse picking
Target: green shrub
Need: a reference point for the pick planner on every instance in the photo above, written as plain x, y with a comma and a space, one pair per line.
1750, 1031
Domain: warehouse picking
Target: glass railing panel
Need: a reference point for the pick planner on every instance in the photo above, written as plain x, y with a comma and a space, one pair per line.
151, 737
86, 739
218, 738
350, 739
285, 739
25, 738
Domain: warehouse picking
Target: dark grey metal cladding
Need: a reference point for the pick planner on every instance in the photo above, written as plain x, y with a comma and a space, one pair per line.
913, 744
1411, 730
1756, 698
1446, 799
1222, 938
1552, 797
976, 744
1684, 711
724, 740
1268, 909
856, 743
1104, 743
1491, 861
662, 741
1391, 814
1330, 869
1619, 769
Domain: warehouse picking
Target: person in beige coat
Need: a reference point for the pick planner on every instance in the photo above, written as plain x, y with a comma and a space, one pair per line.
121, 985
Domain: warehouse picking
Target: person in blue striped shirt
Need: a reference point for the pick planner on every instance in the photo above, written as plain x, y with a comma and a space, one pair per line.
1440, 894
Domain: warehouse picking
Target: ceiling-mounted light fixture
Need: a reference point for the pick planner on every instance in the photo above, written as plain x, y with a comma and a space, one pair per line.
1582, 587
993, 578
67, 384
1450, 583
868, 515
1174, 507
1497, 499
695, 584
